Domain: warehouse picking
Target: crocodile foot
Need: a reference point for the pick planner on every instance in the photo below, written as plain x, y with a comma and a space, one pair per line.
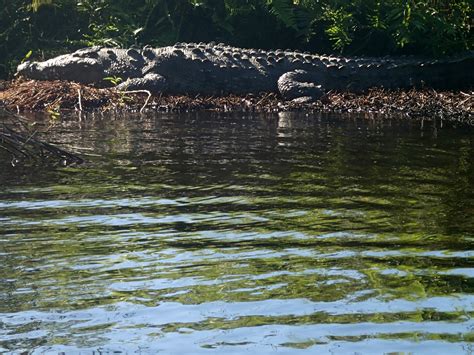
299, 83
150, 82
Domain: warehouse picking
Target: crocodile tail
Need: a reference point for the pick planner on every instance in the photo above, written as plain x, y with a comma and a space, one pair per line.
453, 73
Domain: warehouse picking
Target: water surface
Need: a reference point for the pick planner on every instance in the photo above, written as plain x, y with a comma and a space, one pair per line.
226, 234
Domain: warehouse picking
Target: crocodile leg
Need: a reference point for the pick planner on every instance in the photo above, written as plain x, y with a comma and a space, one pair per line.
150, 82
300, 83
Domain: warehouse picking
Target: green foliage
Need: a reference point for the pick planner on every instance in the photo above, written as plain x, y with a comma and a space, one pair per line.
27, 55
47, 27
385, 27
36, 4
295, 17
340, 27
114, 80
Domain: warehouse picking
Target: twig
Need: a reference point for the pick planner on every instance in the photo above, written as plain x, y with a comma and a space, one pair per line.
79, 99
263, 99
463, 102
139, 92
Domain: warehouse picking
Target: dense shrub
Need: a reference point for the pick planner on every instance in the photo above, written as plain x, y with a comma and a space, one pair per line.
41, 28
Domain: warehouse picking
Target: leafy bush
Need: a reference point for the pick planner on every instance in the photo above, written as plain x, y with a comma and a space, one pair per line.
373, 27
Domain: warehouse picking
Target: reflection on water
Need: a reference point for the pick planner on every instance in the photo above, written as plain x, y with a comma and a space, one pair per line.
222, 234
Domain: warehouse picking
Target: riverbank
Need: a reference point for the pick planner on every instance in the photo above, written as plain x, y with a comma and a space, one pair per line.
56, 96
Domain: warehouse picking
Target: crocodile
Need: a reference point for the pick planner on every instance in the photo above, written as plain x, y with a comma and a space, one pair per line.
219, 69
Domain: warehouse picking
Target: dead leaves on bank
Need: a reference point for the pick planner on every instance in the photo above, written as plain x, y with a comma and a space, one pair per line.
35, 95
54, 96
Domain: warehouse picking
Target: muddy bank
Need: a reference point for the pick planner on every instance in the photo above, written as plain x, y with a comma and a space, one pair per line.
54, 96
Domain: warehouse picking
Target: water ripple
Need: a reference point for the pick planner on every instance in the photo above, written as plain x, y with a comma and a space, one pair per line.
223, 234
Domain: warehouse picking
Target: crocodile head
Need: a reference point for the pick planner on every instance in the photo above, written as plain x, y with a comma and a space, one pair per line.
84, 67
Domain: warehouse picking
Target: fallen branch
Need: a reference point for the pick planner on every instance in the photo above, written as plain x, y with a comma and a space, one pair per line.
23, 145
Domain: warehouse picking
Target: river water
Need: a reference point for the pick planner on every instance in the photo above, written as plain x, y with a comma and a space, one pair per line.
230, 234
